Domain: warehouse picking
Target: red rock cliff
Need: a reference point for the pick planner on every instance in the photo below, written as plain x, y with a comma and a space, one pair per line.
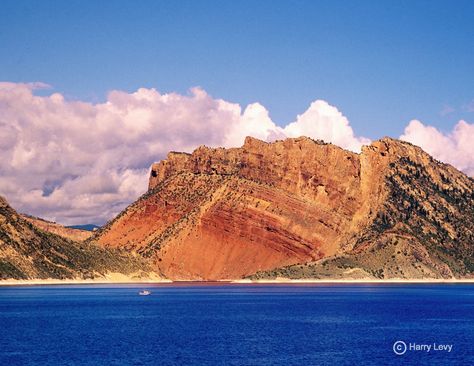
227, 213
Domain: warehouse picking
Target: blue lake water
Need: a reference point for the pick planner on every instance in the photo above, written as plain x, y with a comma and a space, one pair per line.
230, 324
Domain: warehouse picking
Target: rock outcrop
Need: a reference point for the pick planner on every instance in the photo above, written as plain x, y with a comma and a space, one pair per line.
391, 211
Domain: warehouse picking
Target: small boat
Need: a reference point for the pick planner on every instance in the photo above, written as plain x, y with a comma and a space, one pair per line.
144, 293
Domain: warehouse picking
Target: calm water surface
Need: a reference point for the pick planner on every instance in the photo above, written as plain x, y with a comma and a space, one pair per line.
215, 324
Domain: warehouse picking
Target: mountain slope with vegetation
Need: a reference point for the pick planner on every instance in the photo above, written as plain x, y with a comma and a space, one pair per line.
28, 252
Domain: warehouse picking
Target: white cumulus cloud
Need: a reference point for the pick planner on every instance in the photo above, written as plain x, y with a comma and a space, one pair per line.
324, 121
455, 147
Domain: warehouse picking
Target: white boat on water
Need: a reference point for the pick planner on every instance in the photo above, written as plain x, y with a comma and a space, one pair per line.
144, 293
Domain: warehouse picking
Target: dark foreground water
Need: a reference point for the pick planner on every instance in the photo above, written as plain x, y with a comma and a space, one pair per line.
236, 325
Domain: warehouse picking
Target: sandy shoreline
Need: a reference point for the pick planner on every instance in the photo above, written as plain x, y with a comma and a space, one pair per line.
335, 281
122, 279
77, 282
109, 278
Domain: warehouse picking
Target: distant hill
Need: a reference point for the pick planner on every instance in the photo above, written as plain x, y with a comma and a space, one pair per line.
301, 208
86, 227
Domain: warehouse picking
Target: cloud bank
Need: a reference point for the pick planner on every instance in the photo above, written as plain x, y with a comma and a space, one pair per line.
76, 162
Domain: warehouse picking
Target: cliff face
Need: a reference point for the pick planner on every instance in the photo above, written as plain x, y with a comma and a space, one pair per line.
226, 213
229, 213
422, 225
29, 252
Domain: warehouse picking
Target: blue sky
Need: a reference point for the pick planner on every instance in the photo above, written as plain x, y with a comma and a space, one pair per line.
382, 63
353, 71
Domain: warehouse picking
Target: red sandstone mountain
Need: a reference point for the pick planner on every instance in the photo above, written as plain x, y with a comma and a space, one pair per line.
391, 211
